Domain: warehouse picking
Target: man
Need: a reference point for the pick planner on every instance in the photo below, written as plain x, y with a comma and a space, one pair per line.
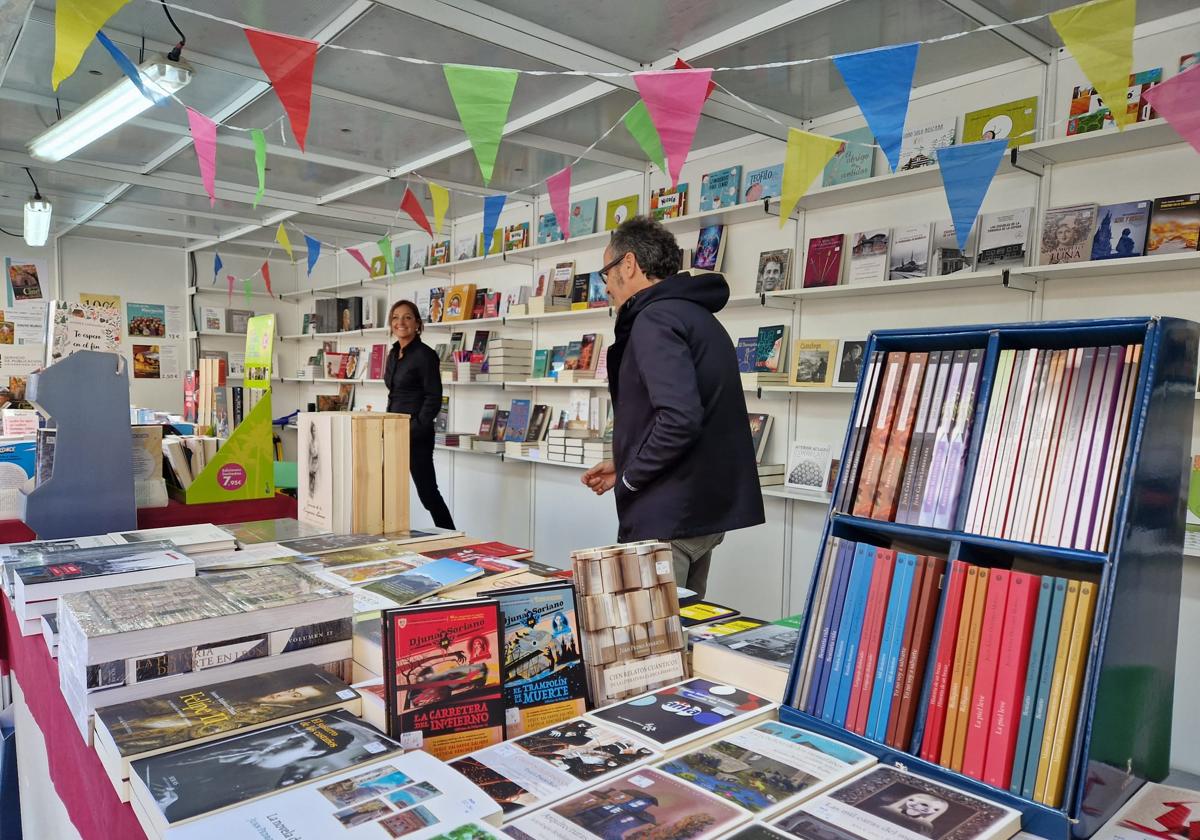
683, 463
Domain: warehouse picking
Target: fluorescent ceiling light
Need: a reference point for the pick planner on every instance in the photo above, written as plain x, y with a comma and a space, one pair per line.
37, 222
110, 110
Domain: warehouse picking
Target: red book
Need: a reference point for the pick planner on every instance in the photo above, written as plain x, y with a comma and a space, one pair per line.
191, 395
918, 651
378, 358
935, 712
491, 305
910, 623
1010, 677
823, 265
887, 490
991, 638
868, 646
881, 427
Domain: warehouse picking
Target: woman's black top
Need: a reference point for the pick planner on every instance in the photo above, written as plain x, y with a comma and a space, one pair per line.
414, 382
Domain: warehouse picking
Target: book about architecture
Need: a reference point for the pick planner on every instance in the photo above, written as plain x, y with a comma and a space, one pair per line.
583, 217
823, 264
1004, 238
1014, 120
87, 568
766, 182
921, 141
1174, 225
669, 203
444, 672
853, 161
1067, 234
710, 248
868, 257
1121, 230
618, 210
774, 270
720, 188
812, 362
910, 252
808, 466
768, 768
948, 257
528, 772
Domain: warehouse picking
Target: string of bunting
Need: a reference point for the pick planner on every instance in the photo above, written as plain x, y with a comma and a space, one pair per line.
1098, 33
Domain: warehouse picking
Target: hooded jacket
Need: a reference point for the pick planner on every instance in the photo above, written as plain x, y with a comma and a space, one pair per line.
681, 438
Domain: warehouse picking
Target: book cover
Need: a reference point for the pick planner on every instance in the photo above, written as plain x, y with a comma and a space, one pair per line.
548, 229
966, 694
720, 188
400, 257
707, 632
423, 581
1004, 238
583, 217
444, 676
617, 211
888, 661
1067, 234
516, 236
98, 562
1121, 230
991, 637
1155, 811
774, 642
464, 247
813, 361
868, 257
774, 270
808, 466
1174, 225
458, 302
851, 355
702, 612
668, 203
710, 248
760, 431
561, 283
1015, 120
823, 265
853, 161
1089, 113
948, 258
876, 440
747, 350
887, 489
1078, 647
518, 421
580, 284
910, 252
766, 182
1016, 749
771, 349
921, 141
829, 628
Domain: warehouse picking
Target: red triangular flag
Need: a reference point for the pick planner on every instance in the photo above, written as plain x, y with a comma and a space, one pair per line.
288, 63
680, 64
412, 207
266, 273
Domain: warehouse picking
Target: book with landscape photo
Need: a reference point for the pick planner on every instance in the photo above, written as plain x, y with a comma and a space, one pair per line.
423, 581
760, 657
1121, 230
813, 362
910, 252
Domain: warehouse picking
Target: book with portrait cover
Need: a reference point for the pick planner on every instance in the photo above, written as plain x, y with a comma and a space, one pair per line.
1067, 234
774, 270
444, 673
1121, 230
720, 189
583, 217
854, 160
823, 265
1174, 225
618, 210
178, 787
667, 203
766, 182
1014, 120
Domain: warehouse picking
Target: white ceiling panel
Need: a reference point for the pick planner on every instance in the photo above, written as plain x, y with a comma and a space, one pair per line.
185, 202
387, 197
516, 168
1147, 10
51, 182
289, 175
184, 224
94, 232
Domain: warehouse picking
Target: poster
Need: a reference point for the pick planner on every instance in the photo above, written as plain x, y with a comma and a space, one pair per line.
168, 361
174, 322
24, 324
146, 320
146, 361
23, 279
20, 359
260, 334
108, 302
77, 326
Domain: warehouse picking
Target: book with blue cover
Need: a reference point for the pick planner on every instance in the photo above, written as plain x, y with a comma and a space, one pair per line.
423, 581
906, 566
1121, 230
747, 350
766, 182
859, 579
720, 189
829, 632
548, 229
854, 160
583, 217
864, 557
1041, 700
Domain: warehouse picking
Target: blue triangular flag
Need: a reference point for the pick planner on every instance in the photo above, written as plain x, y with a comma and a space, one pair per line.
967, 172
314, 251
880, 81
492, 205
217, 265
130, 70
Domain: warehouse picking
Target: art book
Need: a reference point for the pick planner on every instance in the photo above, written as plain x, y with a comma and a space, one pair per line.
583, 217
1121, 230
774, 270
1174, 225
823, 265
1004, 238
808, 466
667, 203
710, 248
812, 361
853, 161
530, 771
618, 210
868, 257
548, 229
763, 183
1014, 120
1067, 234
1089, 113
921, 141
444, 674
720, 189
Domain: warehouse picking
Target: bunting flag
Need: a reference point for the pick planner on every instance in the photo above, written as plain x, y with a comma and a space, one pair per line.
482, 96
217, 266
282, 238
357, 254
441, 203
410, 205
76, 23
807, 154
641, 128
288, 63
680, 64
314, 251
266, 273
880, 81
967, 172
260, 162
130, 69
246, 289
1177, 100
1100, 37
231, 280
204, 138
492, 205
385, 248
674, 99
559, 187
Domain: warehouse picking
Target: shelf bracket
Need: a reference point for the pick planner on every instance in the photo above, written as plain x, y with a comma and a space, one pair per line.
1020, 282
1029, 162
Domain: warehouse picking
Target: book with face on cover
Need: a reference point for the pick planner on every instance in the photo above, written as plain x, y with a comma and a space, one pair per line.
774, 270
1067, 234
583, 217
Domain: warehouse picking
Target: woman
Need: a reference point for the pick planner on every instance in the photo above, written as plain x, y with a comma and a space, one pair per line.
414, 381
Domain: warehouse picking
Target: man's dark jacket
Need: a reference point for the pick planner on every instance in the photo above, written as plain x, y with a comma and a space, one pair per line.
681, 438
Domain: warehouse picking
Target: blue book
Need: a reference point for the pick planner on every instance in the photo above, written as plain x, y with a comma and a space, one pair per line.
583, 217
833, 613
854, 161
548, 229
1033, 672
908, 581
518, 421
1121, 230
423, 581
720, 189
763, 183
889, 651
1041, 699
860, 575
857, 612
747, 350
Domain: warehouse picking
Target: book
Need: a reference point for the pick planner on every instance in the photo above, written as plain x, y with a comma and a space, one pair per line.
850, 358
747, 349
1067, 234
853, 161
704, 632
710, 248
561, 283
698, 612
213, 319
459, 301
444, 675
85, 569
516, 236
423, 581
766, 182
771, 349
921, 141
1121, 230
887, 489
948, 257
760, 432
1174, 225
823, 264
910, 252
774, 270
1154, 811
720, 188
583, 217
813, 362
759, 656
1089, 113
868, 257
669, 203
518, 421
1015, 120
1004, 238
464, 247
548, 229
618, 210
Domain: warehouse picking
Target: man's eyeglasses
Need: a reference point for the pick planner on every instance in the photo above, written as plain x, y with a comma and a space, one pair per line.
604, 271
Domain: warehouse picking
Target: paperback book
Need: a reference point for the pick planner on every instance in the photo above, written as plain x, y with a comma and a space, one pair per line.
1004, 238
583, 217
774, 270
948, 257
766, 182
853, 161
423, 581
823, 265
1014, 120
812, 362
1121, 230
720, 188
618, 210
868, 257
710, 248
1067, 234
1174, 225
910, 252
921, 141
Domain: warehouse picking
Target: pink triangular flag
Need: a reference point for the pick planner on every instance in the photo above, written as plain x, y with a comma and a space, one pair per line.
204, 137
231, 280
357, 254
266, 273
559, 186
674, 99
1177, 100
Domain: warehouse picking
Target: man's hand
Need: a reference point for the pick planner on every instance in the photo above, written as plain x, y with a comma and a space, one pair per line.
601, 477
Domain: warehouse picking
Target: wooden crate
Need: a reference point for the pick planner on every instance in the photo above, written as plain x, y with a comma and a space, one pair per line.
379, 481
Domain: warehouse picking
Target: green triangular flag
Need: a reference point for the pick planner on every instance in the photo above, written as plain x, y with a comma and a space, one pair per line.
385, 248
260, 161
639, 124
482, 96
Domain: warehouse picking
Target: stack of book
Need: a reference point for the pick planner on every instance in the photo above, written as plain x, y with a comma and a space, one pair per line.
597, 449
481, 445
762, 358
460, 439
467, 366
507, 360
567, 445
758, 656
770, 475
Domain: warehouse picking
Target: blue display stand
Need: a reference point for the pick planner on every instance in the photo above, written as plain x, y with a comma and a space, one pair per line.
1123, 734
90, 490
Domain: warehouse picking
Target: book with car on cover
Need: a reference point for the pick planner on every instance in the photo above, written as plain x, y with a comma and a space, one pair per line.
720, 188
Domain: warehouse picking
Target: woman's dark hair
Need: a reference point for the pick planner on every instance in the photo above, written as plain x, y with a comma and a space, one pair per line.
416, 313
653, 246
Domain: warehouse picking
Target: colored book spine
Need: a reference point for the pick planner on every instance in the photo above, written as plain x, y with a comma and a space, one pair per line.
941, 441
906, 638
1011, 674
1033, 671
817, 620
981, 483
1054, 699
850, 628
881, 424
949, 715
889, 650
966, 692
887, 490
868, 649
1064, 731
925, 410
918, 657
829, 634
991, 636
956, 456
1041, 700
848, 480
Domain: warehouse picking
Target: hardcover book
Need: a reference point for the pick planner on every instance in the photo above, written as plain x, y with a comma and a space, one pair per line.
853, 161
720, 188
948, 258
1174, 225
1121, 230
667, 203
922, 140
910, 252
808, 466
774, 270
1015, 120
444, 675
1067, 234
548, 229
1089, 113
710, 248
771, 350
464, 247
766, 182
812, 361
618, 210
823, 265
868, 257
583, 217
1004, 238
516, 236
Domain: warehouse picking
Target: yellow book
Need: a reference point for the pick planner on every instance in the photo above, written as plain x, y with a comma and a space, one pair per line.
812, 362
960, 656
459, 301
967, 692
1068, 707
1056, 684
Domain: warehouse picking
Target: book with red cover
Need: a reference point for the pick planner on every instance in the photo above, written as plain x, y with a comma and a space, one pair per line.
906, 638
375, 368
1019, 614
491, 304
879, 431
919, 650
191, 395
868, 648
943, 661
887, 490
991, 638
823, 265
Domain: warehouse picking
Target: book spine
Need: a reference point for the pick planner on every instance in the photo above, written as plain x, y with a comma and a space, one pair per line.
1064, 731
947, 504
1088, 442
871, 700
1033, 670
960, 677
1105, 429
925, 456
1117, 457
817, 623
1064, 469
941, 441
1027, 449
850, 627
916, 444
1041, 702
1011, 671
947, 666
876, 445
888, 486
821, 678
981, 484
991, 636
1054, 699
1048, 390
889, 651
1015, 432
1053, 452
848, 480
1004, 440
918, 657
890, 725
868, 648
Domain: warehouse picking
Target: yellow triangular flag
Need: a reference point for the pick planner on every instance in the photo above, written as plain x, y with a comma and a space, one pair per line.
76, 23
807, 154
282, 238
1100, 37
441, 203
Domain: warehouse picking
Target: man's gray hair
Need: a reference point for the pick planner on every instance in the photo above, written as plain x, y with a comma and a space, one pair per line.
653, 246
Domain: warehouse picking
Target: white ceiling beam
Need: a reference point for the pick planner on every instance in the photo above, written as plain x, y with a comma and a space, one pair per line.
1020, 38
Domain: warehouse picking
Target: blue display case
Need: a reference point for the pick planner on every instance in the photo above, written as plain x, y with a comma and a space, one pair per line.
1123, 732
